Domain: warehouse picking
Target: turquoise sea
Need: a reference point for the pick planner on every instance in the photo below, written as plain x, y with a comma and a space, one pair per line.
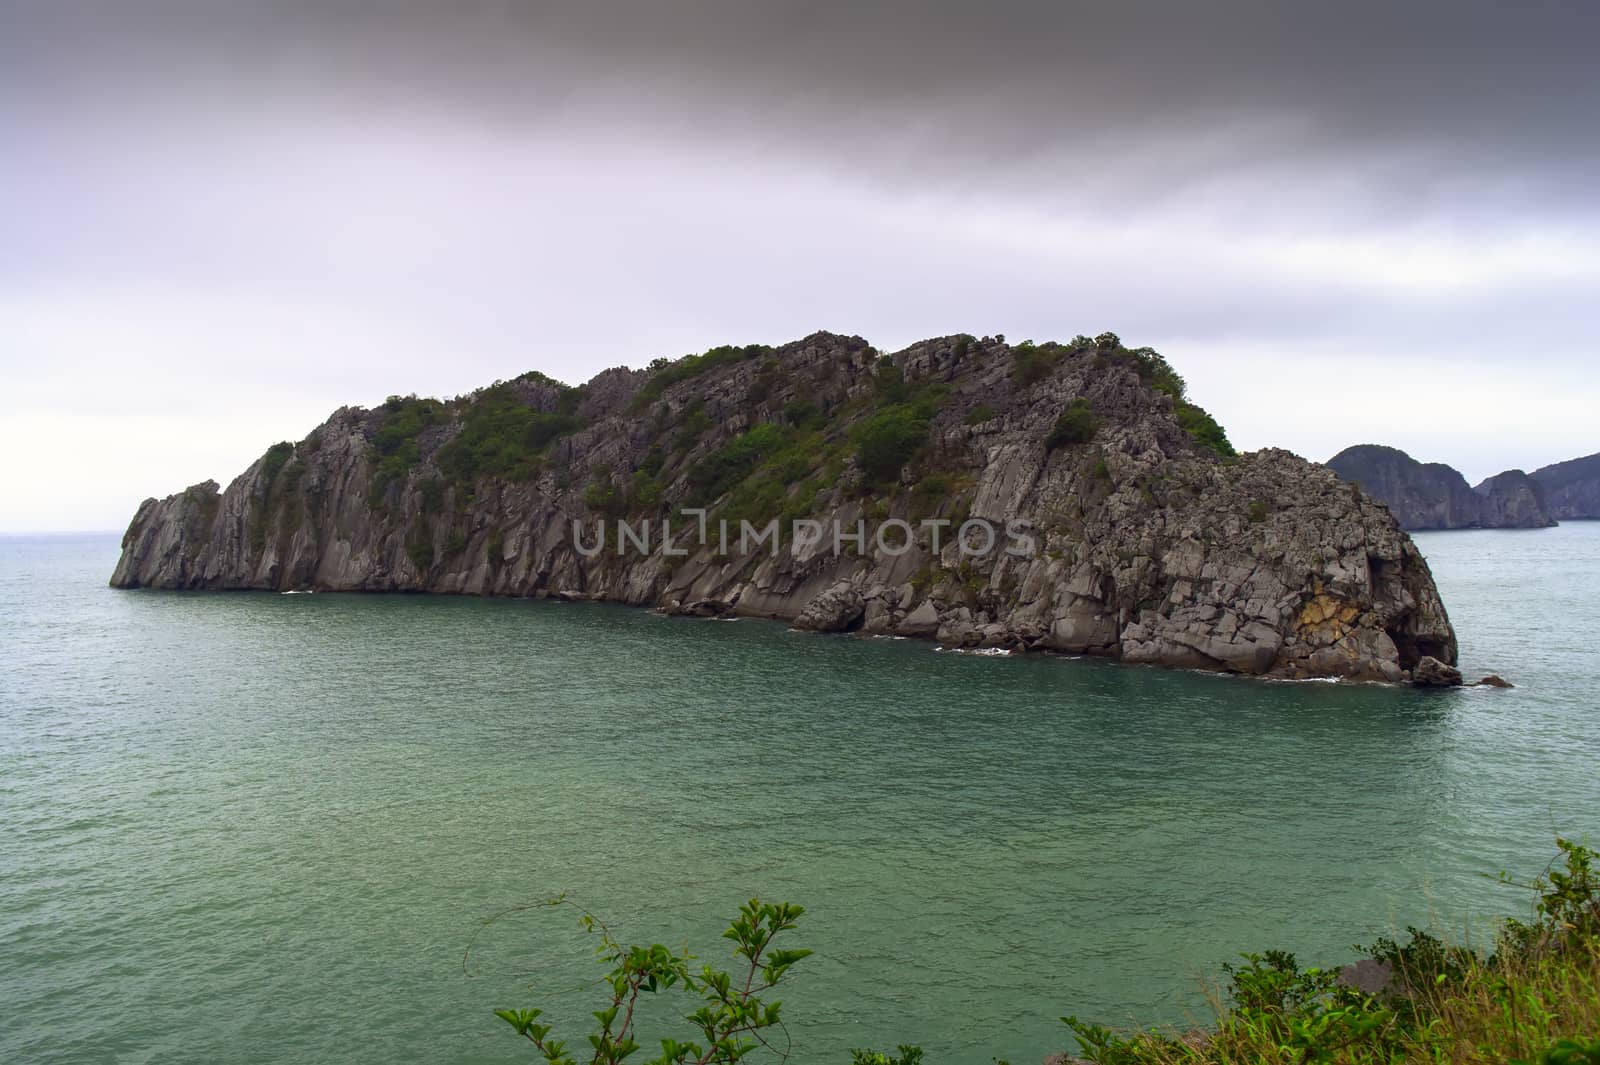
257, 828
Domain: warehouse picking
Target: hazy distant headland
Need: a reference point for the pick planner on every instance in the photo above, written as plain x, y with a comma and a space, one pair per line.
1572, 488
1433, 495
1060, 496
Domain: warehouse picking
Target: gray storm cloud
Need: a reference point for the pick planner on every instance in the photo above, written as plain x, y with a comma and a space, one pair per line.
1416, 105
291, 206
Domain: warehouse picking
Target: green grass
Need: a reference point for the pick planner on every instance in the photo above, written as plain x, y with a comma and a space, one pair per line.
1535, 999
1487, 1012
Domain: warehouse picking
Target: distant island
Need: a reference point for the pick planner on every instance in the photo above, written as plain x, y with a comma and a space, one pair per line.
1572, 488
1432, 495
1062, 497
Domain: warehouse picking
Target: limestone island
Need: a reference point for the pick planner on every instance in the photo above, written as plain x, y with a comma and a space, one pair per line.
1119, 520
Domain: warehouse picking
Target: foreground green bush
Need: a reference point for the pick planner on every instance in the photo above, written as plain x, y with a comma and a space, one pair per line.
1534, 1001
733, 1017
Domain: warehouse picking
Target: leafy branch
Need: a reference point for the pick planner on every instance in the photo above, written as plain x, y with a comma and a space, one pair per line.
734, 1016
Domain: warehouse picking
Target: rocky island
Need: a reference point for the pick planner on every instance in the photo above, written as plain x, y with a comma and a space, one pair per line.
1572, 487
1432, 495
1113, 516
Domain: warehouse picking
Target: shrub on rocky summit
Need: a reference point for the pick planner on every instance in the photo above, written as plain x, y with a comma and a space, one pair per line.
1077, 425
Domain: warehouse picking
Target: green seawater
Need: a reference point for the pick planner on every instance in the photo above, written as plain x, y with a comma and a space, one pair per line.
260, 828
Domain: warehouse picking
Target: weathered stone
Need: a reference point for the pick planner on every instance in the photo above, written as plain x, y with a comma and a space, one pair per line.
1432, 673
1370, 976
1494, 680
921, 622
877, 618
1084, 628
838, 609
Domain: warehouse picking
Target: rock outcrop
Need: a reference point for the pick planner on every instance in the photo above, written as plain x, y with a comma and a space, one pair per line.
1432, 673
1431, 495
1055, 497
1571, 488
1513, 500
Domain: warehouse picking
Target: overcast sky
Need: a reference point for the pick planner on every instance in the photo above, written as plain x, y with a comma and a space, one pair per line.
1344, 223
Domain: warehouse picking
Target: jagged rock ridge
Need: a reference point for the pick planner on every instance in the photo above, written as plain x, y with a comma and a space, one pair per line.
1153, 542
1431, 495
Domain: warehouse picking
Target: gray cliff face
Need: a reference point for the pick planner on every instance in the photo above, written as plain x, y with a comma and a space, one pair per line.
1572, 488
1432, 495
1513, 500
1420, 495
1149, 546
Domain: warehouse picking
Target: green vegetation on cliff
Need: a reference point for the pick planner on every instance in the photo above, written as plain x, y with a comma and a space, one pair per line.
898, 428
1077, 425
1158, 372
754, 433
665, 372
882, 430
404, 419
729, 465
281, 504
501, 436
1033, 362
